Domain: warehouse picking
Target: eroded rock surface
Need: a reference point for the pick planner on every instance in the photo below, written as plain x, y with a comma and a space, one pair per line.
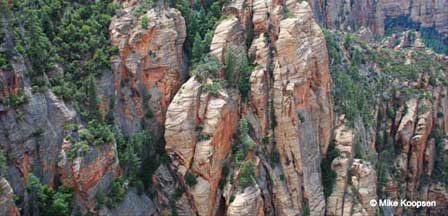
150, 66
7, 205
302, 105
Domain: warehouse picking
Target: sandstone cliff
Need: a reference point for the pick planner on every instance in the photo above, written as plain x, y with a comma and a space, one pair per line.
150, 66
242, 107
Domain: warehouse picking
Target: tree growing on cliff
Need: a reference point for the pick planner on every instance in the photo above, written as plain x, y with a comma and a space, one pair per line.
144, 22
328, 174
93, 100
190, 179
208, 67
43, 200
247, 174
198, 48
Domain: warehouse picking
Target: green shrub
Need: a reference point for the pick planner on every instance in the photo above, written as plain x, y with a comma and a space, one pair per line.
244, 126
38, 133
144, 6
213, 88
356, 57
328, 175
275, 156
178, 193
61, 202
265, 140
248, 143
383, 167
203, 137
306, 210
190, 179
46, 200
117, 193
200, 46
208, 67
240, 155
97, 133
18, 99
144, 22
77, 149
301, 117
73, 36
201, 19
247, 174
3, 163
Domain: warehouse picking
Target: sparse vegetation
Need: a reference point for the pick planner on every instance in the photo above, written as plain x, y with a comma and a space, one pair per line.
18, 99
328, 175
3, 163
46, 200
144, 22
367, 74
213, 88
247, 174
190, 179
208, 67
117, 193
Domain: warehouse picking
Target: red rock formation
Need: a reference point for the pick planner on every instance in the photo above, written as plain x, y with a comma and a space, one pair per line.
90, 172
150, 63
198, 133
302, 105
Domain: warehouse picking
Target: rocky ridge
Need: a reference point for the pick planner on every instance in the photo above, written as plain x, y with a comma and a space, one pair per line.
259, 153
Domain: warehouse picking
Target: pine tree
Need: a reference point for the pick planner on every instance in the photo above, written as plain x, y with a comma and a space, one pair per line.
198, 48
93, 101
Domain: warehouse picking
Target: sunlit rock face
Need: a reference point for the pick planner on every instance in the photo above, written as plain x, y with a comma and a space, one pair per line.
150, 66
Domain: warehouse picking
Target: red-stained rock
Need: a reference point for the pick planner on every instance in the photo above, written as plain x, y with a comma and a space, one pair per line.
150, 65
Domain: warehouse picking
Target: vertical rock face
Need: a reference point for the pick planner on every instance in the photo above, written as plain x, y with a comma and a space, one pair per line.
302, 105
166, 186
89, 173
295, 92
198, 133
229, 34
133, 204
266, 17
364, 184
271, 165
344, 141
356, 179
241, 9
31, 135
7, 206
150, 65
248, 203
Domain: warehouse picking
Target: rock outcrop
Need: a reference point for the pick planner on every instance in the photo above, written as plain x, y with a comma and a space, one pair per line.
150, 66
229, 37
24, 130
198, 133
133, 204
7, 206
344, 143
249, 202
88, 173
302, 105
272, 73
